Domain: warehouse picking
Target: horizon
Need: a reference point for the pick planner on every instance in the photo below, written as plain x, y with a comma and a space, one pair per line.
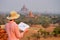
41, 6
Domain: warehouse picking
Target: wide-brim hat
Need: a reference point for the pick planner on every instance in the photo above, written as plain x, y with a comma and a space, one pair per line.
13, 15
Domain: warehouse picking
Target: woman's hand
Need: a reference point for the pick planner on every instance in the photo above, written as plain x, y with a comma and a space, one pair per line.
26, 30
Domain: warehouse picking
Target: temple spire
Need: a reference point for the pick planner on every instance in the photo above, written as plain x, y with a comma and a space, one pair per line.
31, 14
24, 8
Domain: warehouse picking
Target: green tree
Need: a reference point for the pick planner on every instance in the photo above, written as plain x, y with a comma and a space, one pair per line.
45, 21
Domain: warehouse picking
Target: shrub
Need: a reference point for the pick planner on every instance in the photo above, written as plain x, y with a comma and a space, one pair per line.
36, 35
45, 21
56, 31
43, 33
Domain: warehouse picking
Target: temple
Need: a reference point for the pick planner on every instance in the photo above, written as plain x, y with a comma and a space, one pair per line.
24, 10
31, 14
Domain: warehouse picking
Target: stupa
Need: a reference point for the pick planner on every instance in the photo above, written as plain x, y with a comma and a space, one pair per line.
31, 14
24, 10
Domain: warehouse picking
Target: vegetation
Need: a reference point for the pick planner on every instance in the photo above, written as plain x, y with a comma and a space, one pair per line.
44, 20
56, 31
36, 35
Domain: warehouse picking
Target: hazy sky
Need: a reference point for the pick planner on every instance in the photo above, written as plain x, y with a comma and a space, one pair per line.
34, 5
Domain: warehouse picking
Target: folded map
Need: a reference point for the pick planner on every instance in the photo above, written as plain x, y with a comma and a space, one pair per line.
22, 26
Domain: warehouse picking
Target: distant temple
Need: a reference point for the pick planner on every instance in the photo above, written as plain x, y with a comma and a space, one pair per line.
24, 10
31, 14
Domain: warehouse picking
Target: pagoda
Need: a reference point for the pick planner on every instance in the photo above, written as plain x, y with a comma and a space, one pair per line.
31, 14
24, 10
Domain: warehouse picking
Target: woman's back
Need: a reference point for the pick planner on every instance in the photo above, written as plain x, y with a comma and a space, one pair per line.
12, 31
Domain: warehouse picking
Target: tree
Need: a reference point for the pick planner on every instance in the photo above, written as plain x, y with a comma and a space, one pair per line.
45, 21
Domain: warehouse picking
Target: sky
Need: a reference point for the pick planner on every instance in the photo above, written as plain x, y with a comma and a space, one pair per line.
33, 5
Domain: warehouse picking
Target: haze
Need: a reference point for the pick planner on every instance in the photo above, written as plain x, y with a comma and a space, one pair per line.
33, 5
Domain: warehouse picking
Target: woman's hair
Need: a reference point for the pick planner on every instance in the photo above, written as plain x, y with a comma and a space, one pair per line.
10, 20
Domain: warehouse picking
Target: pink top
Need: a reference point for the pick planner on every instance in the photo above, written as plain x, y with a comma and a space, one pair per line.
13, 31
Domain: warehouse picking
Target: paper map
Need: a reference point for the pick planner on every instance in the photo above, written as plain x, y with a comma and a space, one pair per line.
22, 26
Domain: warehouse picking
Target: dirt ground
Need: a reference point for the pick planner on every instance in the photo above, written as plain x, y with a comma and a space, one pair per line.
34, 29
27, 35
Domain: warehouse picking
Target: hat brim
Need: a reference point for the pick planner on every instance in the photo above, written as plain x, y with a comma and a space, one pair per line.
16, 17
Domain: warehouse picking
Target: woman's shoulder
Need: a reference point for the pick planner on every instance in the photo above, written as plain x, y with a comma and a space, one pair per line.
15, 23
6, 24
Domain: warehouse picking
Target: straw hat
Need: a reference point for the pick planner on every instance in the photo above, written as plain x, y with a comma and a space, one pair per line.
13, 15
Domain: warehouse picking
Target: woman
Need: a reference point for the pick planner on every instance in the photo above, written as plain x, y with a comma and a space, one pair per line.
12, 28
